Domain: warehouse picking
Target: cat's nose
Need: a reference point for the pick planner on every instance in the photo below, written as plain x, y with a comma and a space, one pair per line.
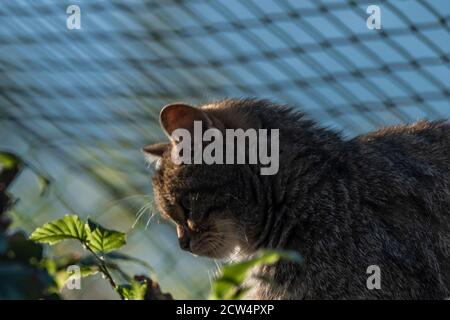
184, 237
185, 243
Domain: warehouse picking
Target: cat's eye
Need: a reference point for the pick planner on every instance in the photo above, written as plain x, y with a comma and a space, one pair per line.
186, 203
187, 207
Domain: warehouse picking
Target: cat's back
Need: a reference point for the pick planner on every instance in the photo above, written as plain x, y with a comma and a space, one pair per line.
431, 133
424, 142
410, 163
400, 177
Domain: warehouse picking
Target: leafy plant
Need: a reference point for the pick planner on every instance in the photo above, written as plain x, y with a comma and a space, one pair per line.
230, 284
26, 273
101, 243
93, 236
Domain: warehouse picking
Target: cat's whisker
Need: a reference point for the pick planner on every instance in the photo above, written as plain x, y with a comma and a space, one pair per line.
235, 255
217, 264
210, 278
212, 242
112, 204
142, 195
240, 235
245, 237
140, 213
149, 219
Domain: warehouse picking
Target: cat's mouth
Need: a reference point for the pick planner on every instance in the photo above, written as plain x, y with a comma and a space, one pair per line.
210, 247
212, 238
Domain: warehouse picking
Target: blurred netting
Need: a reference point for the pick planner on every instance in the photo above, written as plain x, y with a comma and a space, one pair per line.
78, 104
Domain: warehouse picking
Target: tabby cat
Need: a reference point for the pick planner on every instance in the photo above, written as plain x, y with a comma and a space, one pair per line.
381, 199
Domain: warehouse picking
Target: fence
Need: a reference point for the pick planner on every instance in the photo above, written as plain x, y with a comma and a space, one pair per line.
79, 104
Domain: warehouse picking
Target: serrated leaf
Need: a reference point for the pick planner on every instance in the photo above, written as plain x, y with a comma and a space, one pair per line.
102, 240
134, 291
62, 276
69, 227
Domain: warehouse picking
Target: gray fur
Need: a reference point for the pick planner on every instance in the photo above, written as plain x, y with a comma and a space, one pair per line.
378, 199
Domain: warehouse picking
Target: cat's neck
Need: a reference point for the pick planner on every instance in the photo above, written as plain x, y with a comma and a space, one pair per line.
309, 155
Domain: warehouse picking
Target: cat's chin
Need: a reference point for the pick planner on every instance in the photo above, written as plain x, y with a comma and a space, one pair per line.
219, 254
210, 255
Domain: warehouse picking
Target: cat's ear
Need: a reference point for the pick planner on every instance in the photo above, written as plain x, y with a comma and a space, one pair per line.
182, 116
154, 152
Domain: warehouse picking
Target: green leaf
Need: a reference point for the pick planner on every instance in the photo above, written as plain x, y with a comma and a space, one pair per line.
69, 227
98, 238
102, 240
229, 284
9, 160
62, 276
134, 291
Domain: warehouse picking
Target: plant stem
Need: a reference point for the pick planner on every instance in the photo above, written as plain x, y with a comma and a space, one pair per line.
104, 269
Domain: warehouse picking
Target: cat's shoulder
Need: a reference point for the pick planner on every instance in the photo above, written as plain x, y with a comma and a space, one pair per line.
438, 129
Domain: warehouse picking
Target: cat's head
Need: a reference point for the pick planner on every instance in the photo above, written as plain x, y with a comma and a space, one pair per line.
214, 206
